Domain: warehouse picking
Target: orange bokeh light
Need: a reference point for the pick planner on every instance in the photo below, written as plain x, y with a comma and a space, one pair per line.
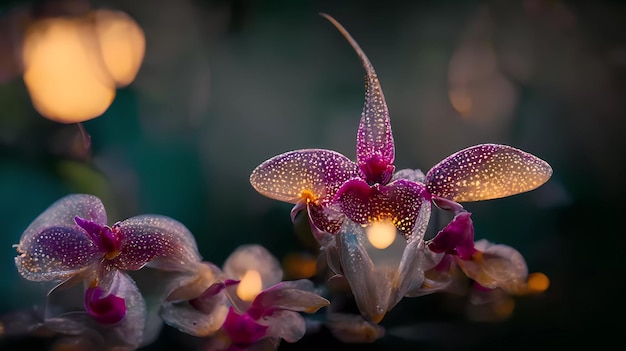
122, 44
538, 282
65, 77
73, 65
250, 285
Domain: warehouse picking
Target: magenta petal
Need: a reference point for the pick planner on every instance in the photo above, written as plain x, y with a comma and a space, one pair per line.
375, 146
487, 171
93, 229
324, 220
106, 310
242, 329
400, 201
456, 238
161, 241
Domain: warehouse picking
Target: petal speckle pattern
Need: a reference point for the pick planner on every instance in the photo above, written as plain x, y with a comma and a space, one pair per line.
487, 171
310, 174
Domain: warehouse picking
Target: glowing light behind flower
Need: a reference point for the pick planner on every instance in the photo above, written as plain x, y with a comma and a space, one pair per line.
250, 285
72, 65
122, 44
538, 282
381, 234
64, 76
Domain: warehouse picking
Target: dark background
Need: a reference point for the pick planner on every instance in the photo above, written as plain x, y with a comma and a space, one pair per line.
225, 85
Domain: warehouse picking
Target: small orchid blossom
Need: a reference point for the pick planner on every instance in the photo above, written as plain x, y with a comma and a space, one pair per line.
253, 307
489, 265
71, 242
348, 202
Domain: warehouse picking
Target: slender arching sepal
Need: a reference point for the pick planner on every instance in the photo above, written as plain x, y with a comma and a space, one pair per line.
375, 147
487, 171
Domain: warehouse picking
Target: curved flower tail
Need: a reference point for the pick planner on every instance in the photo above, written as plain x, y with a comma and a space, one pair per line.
487, 171
375, 146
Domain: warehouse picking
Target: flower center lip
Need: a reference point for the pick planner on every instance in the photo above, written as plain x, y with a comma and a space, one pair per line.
108, 239
308, 196
111, 241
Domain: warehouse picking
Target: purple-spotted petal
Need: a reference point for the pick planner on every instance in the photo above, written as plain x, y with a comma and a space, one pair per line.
400, 202
375, 146
487, 171
161, 241
457, 238
289, 295
253, 257
55, 252
309, 174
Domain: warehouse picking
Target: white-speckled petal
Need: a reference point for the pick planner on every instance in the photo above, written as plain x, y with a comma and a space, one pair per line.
487, 171
309, 174
55, 253
62, 213
161, 241
53, 247
375, 146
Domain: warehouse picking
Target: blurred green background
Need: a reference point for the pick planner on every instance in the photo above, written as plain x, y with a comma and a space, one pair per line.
224, 85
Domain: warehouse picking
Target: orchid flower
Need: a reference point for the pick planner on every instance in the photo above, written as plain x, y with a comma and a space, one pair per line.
490, 266
250, 305
71, 242
352, 204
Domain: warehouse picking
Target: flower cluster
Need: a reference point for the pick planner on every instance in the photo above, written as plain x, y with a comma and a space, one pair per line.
358, 210
369, 220
70, 243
